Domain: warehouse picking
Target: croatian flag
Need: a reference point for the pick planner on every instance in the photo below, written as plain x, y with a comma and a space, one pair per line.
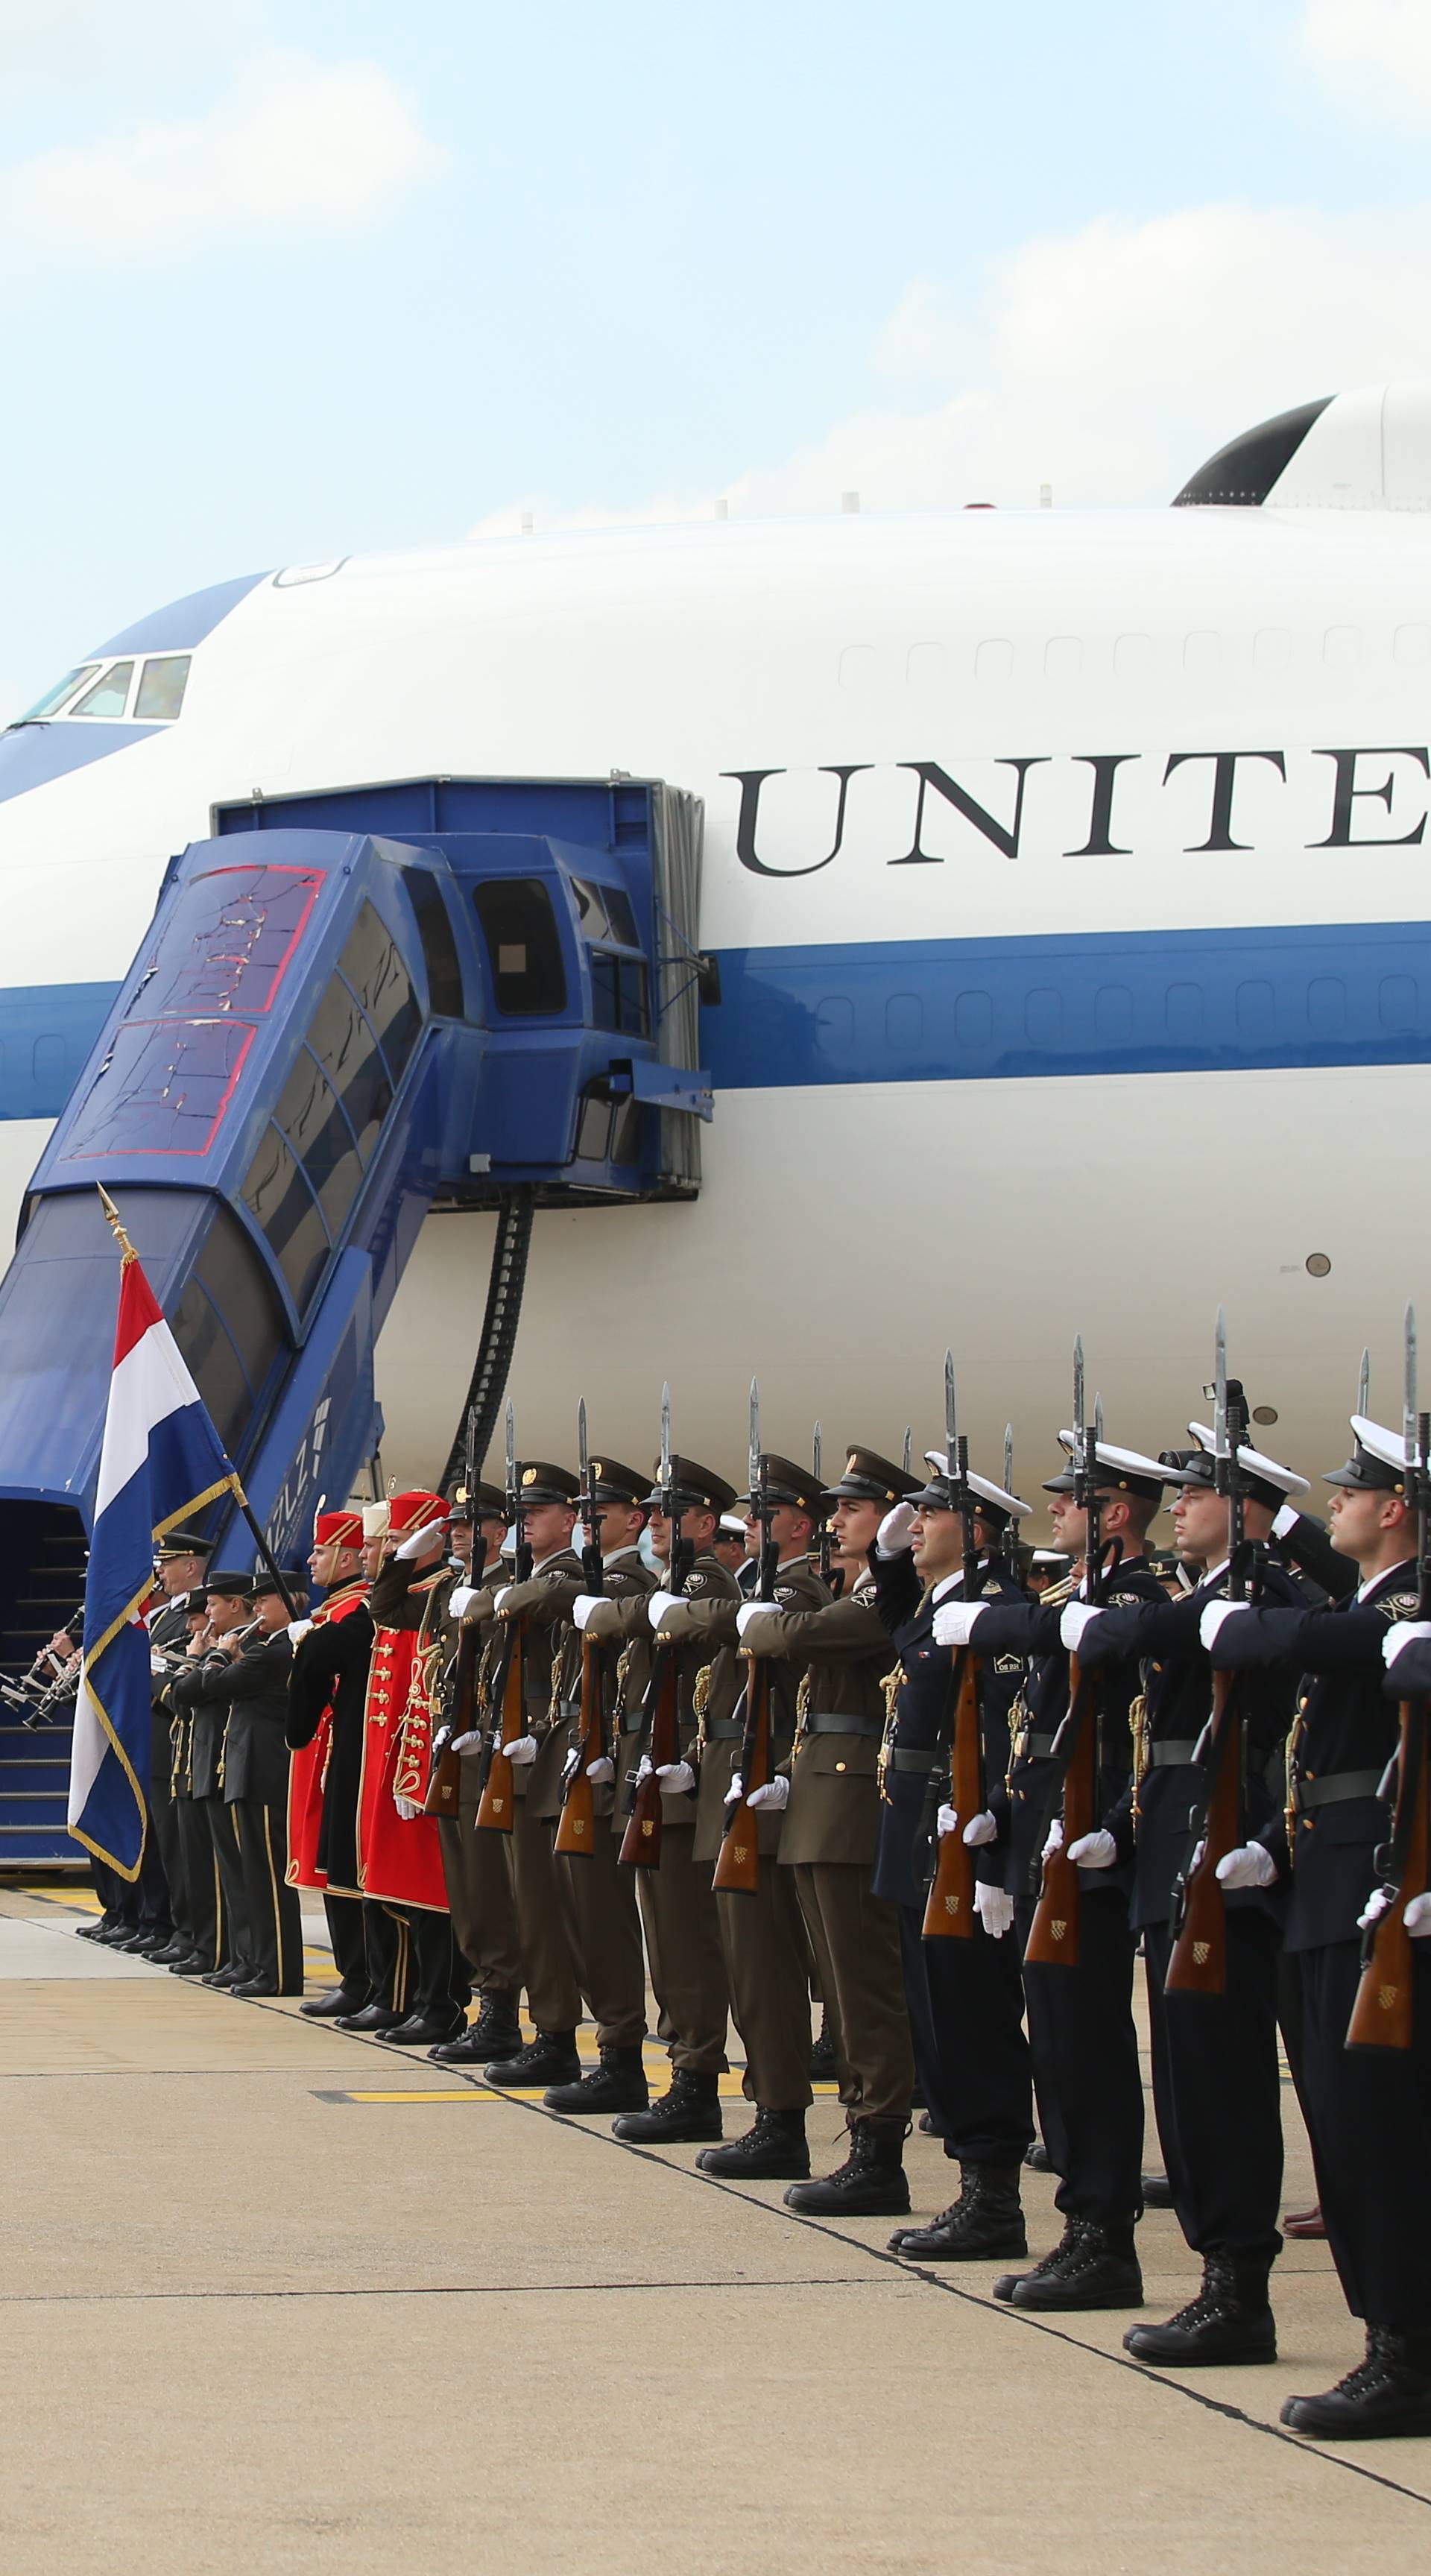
161, 1461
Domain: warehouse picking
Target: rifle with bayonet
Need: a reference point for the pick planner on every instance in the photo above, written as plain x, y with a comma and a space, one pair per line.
1198, 1963
1382, 2012
1053, 1935
445, 1778
737, 1866
509, 1689
658, 1741
576, 1825
949, 1910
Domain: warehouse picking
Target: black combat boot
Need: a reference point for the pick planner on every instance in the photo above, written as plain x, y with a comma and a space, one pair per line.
1387, 2394
824, 2065
617, 2084
689, 2111
986, 2221
550, 2058
1094, 2266
496, 2034
1229, 2320
773, 2151
871, 2183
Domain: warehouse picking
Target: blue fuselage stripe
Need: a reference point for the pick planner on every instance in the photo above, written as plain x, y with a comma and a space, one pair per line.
962, 1010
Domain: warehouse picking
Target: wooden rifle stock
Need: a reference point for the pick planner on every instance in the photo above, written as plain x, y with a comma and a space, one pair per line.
576, 1826
445, 1780
949, 1913
494, 1812
1053, 1935
737, 1868
641, 1842
1198, 1965
1381, 2014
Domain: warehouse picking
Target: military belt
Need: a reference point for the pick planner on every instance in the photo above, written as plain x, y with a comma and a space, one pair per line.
825, 1721
1039, 1747
1171, 1750
905, 1758
723, 1730
1337, 1786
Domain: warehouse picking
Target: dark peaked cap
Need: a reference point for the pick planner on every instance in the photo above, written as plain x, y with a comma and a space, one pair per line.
1378, 1460
484, 1503
183, 1542
785, 1483
696, 1488
869, 1478
538, 1481
613, 1483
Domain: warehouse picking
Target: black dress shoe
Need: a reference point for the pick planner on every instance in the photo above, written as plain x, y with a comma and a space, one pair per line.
1093, 2267
617, 2084
174, 1949
330, 2007
550, 2058
1229, 2320
1157, 2192
1037, 2157
373, 2018
871, 2183
690, 2110
985, 2223
773, 2151
194, 1964
224, 1977
143, 1943
116, 1936
1387, 2394
254, 1986
420, 2030
90, 1931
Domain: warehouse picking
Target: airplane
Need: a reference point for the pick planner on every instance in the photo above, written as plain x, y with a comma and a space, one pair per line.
1062, 883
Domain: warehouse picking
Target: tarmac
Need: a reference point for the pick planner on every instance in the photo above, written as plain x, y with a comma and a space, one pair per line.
278, 2298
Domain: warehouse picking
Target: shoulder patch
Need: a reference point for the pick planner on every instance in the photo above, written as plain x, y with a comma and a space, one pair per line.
993, 1590
1398, 1605
786, 1592
1008, 1663
697, 1583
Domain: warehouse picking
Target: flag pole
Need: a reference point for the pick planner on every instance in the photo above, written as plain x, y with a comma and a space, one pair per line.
271, 1568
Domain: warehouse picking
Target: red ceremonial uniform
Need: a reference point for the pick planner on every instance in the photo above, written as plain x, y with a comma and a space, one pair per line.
308, 1769
400, 1858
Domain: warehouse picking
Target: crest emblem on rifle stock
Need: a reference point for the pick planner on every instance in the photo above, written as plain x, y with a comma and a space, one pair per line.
647, 1827
1201, 1951
1058, 1929
1386, 1996
742, 1851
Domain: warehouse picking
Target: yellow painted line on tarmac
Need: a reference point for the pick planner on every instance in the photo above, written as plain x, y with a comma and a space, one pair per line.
729, 2089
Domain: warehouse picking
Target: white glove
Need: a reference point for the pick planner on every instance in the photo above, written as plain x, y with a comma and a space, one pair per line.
751, 1610
1053, 1843
774, 1795
522, 1750
601, 1771
1417, 1917
460, 1600
657, 1607
500, 1596
892, 1537
955, 1622
946, 1820
1286, 1521
995, 1909
1377, 1904
430, 1540
1251, 1865
675, 1778
157, 1664
583, 1606
572, 1765
735, 1792
644, 1769
408, 1810
469, 1742
983, 1828
1212, 1619
1094, 1851
1077, 1616
298, 1630
1403, 1632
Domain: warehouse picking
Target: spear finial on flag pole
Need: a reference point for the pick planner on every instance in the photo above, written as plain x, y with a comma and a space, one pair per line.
112, 1212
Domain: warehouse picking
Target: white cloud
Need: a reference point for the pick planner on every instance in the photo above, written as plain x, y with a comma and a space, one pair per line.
297, 144
1375, 53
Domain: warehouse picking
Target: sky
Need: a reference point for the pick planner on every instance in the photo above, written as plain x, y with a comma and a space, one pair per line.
281, 284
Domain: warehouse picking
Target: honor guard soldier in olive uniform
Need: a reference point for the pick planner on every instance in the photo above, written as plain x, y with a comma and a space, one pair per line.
1216, 2080
1368, 2107
841, 1652
678, 1907
548, 1513
964, 1997
763, 1935
1082, 2036
202, 1689
479, 1883
182, 1557
602, 1914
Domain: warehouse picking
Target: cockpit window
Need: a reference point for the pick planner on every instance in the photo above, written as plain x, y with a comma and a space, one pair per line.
161, 689
109, 696
54, 698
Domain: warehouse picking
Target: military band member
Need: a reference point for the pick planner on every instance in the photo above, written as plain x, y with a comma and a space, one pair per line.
479, 1883
1080, 2018
841, 1651
964, 1998
202, 1688
255, 1769
1368, 2109
1216, 2081
203, 1902
181, 1559
678, 1906
399, 1854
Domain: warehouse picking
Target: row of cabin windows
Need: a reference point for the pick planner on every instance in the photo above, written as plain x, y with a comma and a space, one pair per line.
1180, 1014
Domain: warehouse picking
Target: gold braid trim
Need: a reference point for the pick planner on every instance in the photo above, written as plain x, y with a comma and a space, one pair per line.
890, 1687
700, 1702
623, 1667
803, 1698
1141, 1733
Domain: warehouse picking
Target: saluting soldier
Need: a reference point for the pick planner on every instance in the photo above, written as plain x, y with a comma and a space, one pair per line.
1216, 2081
1080, 2017
336, 1566
964, 1998
829, 1790
479, 1883
1368, 2109
678, 1907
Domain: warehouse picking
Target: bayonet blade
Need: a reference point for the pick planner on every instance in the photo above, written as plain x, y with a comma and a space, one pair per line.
1363, 1385
1408, 1425
1008, 1457
951, 1419
665, 1436
1219, 1372
819, 1456
908, 1446
1097, 1425
581, 1458
1078, 1396
754, 1435
511, 1446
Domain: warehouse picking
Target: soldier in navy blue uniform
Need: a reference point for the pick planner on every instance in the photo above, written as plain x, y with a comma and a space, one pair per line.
1369, 2109
964, 1997
1081, 2029
1216, 2083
